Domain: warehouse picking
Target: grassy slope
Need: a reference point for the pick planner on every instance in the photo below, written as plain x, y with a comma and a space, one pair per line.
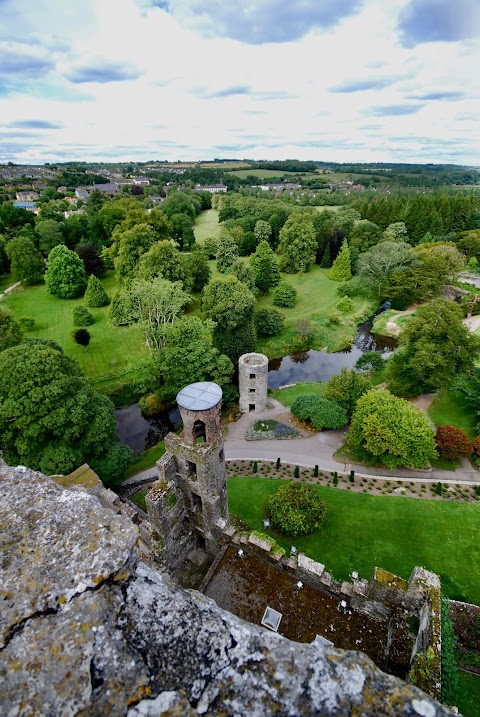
364, 531
145, 460
53, 317
316, 300
449, 408
206, 225
288, 395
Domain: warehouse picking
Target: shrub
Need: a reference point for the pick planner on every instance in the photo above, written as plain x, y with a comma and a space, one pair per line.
452, 443
269, 322
296, 472
82, 317
82, 337
27, 323
370, 361
277, 464
351, 477
121, 309
345, 304
284, 295
438, 488
335, 478
321, 412
315, 471
95, 294
297, 509
255, 466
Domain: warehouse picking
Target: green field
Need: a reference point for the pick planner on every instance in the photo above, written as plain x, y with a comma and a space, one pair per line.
113, 351
363, 531
449, 408
5, 281
288, 395
206, 225
316, 300
268, 173
467, 697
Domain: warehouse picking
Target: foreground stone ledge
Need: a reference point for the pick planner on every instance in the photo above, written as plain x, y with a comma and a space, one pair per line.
90, 630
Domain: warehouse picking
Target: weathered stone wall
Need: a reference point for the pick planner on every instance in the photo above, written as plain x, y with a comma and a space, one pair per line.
252, 381
87, 630
212, 418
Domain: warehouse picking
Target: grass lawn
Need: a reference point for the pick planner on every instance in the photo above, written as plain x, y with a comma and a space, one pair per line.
5, 281
363, 531
316, 300
206, 225
145, 460
113, 352
139, 499
467, 697
288, 395
449, 408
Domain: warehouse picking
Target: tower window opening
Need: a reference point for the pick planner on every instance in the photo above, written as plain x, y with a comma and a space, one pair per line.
199, 432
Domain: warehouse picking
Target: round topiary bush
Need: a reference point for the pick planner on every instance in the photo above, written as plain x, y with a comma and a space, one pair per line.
82, 316
284, 295
297, 509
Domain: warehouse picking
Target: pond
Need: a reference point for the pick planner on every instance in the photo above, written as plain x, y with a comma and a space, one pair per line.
321, 366
140, 433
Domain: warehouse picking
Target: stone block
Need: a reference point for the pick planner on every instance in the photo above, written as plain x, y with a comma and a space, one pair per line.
310, 566
347, 588
259, 543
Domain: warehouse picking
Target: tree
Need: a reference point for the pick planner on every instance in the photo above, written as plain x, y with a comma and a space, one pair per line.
198, 268
364, 235
95, 295
304, 329
132, 244
82, 337
188, 356
341, 270
452, 443
346, 388
284, 295
370, 361
390, 430
49, 234
269, 322
75, 230
51, 419
469, 385
387, 257
122, 310
244, 273
4, 262
435, 347
298, 243
227, 252
262, 231
182, 229
65, 276
92, 261
265, 267
26, 263
230, 304
297, 509
82, 316
163, 259
395, 232
321, 412
157, 304
10, 331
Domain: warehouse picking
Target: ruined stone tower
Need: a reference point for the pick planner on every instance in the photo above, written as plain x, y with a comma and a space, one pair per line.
252, 382
188, 505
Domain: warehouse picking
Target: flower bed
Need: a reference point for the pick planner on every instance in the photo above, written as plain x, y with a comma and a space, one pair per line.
267, 429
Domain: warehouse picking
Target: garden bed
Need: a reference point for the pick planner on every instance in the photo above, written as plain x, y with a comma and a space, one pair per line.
267, 429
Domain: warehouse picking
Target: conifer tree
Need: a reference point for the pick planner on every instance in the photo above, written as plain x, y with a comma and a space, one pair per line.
341, 270
265, 267
95, 294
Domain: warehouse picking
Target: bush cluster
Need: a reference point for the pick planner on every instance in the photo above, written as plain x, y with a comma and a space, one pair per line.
268, 429
345, 304
269, 322
297, 509
321, 412
284, 295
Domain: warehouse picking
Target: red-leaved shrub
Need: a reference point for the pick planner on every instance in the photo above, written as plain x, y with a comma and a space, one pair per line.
452, 442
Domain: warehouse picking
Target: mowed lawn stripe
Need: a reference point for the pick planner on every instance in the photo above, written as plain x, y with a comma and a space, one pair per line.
395, 533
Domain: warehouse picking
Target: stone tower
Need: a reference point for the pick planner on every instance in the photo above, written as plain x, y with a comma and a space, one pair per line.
188, 506
252, 381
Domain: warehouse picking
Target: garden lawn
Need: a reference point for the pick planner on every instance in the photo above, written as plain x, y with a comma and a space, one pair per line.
288, 395
145, 460
449, 408
206, 225
5, 281
316, 300
113, 351
363, 531
467, 696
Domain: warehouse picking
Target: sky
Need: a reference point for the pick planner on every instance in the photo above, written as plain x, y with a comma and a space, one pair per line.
328, 80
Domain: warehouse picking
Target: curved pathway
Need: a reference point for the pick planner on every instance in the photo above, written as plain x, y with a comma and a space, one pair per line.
319, 449
9, 289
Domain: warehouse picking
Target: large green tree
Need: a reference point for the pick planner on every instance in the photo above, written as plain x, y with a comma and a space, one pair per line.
157, 304
188, 356
165, 260
26, 262
65, 276
50, 417
265, 267
385, 258
227, 252
198, 268
341, 268
10, 331
49, 234
346, 388
132, 244
298, 243
389, 430
435, 347
230, 304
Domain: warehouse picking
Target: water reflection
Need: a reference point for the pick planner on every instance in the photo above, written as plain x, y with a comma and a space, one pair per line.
321, 366
140, 433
